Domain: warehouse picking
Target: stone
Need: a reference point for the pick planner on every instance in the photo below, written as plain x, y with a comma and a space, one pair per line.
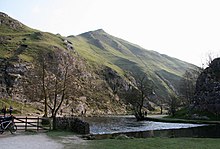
72, 124
10, 80
207, 93
122, 137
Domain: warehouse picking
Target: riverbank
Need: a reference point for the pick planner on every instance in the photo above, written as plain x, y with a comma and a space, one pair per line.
175, 120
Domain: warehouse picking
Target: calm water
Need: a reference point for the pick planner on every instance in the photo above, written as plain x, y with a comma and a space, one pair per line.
110, 125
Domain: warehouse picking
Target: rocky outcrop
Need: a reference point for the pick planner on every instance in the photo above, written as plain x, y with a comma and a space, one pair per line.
6, 20
207, 96
114, 80
10, 75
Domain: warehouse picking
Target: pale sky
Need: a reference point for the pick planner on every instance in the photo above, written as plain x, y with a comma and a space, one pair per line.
185, 29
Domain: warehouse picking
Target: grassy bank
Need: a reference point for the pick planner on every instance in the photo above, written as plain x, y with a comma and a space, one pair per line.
152, 143
72, 141
19, 108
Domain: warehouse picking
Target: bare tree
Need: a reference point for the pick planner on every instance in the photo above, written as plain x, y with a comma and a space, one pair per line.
138, 96
160, 101
188, 85
210, 56
173, 104
53, 81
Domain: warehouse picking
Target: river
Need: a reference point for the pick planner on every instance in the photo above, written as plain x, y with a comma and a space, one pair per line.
119, 124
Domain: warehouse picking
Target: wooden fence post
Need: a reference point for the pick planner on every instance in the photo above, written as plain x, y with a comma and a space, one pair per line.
50, 124
26, 124
37, 123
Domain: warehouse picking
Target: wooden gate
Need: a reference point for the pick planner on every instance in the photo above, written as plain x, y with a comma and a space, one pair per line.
31, 124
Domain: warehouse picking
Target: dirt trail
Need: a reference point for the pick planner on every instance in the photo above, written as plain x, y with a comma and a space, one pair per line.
38, 141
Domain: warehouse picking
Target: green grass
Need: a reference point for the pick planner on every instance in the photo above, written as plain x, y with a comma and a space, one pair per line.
35, 40
18, 107
137, 143
184, 114
123, 56
152, 143
25, 57
56, 134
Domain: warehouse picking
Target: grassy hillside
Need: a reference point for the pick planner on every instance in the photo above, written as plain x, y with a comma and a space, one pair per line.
20, 107
20, 49
101, 48
94, 53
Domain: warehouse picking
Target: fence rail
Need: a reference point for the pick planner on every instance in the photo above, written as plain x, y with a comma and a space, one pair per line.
31, 123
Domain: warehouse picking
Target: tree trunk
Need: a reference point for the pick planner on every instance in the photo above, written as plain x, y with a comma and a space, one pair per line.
138, 114
54, 123
45, 107
44, 91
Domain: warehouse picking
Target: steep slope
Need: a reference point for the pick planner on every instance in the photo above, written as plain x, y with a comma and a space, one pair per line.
21, 49
123, 56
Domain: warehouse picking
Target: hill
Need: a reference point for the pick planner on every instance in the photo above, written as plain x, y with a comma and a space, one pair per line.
123, 57
99, 58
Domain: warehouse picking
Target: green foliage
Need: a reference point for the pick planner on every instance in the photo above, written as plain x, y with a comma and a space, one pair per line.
210, 115
182, 114
186, 113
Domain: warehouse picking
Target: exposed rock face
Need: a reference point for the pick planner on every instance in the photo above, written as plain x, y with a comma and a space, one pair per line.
6, 20
207, 95
10, 75
114, 80
94, 94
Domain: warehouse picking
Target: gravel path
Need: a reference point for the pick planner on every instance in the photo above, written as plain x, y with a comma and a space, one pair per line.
38, 141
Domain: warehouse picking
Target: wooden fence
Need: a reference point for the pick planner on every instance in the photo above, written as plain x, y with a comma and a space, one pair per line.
31, 123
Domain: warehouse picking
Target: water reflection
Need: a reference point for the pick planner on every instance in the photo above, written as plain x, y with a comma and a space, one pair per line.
110, 125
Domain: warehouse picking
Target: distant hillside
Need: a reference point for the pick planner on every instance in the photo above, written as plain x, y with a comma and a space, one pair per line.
122, 56
100, 60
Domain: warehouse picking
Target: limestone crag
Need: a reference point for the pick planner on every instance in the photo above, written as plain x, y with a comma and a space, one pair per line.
10, 79
6, 20
207, 96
